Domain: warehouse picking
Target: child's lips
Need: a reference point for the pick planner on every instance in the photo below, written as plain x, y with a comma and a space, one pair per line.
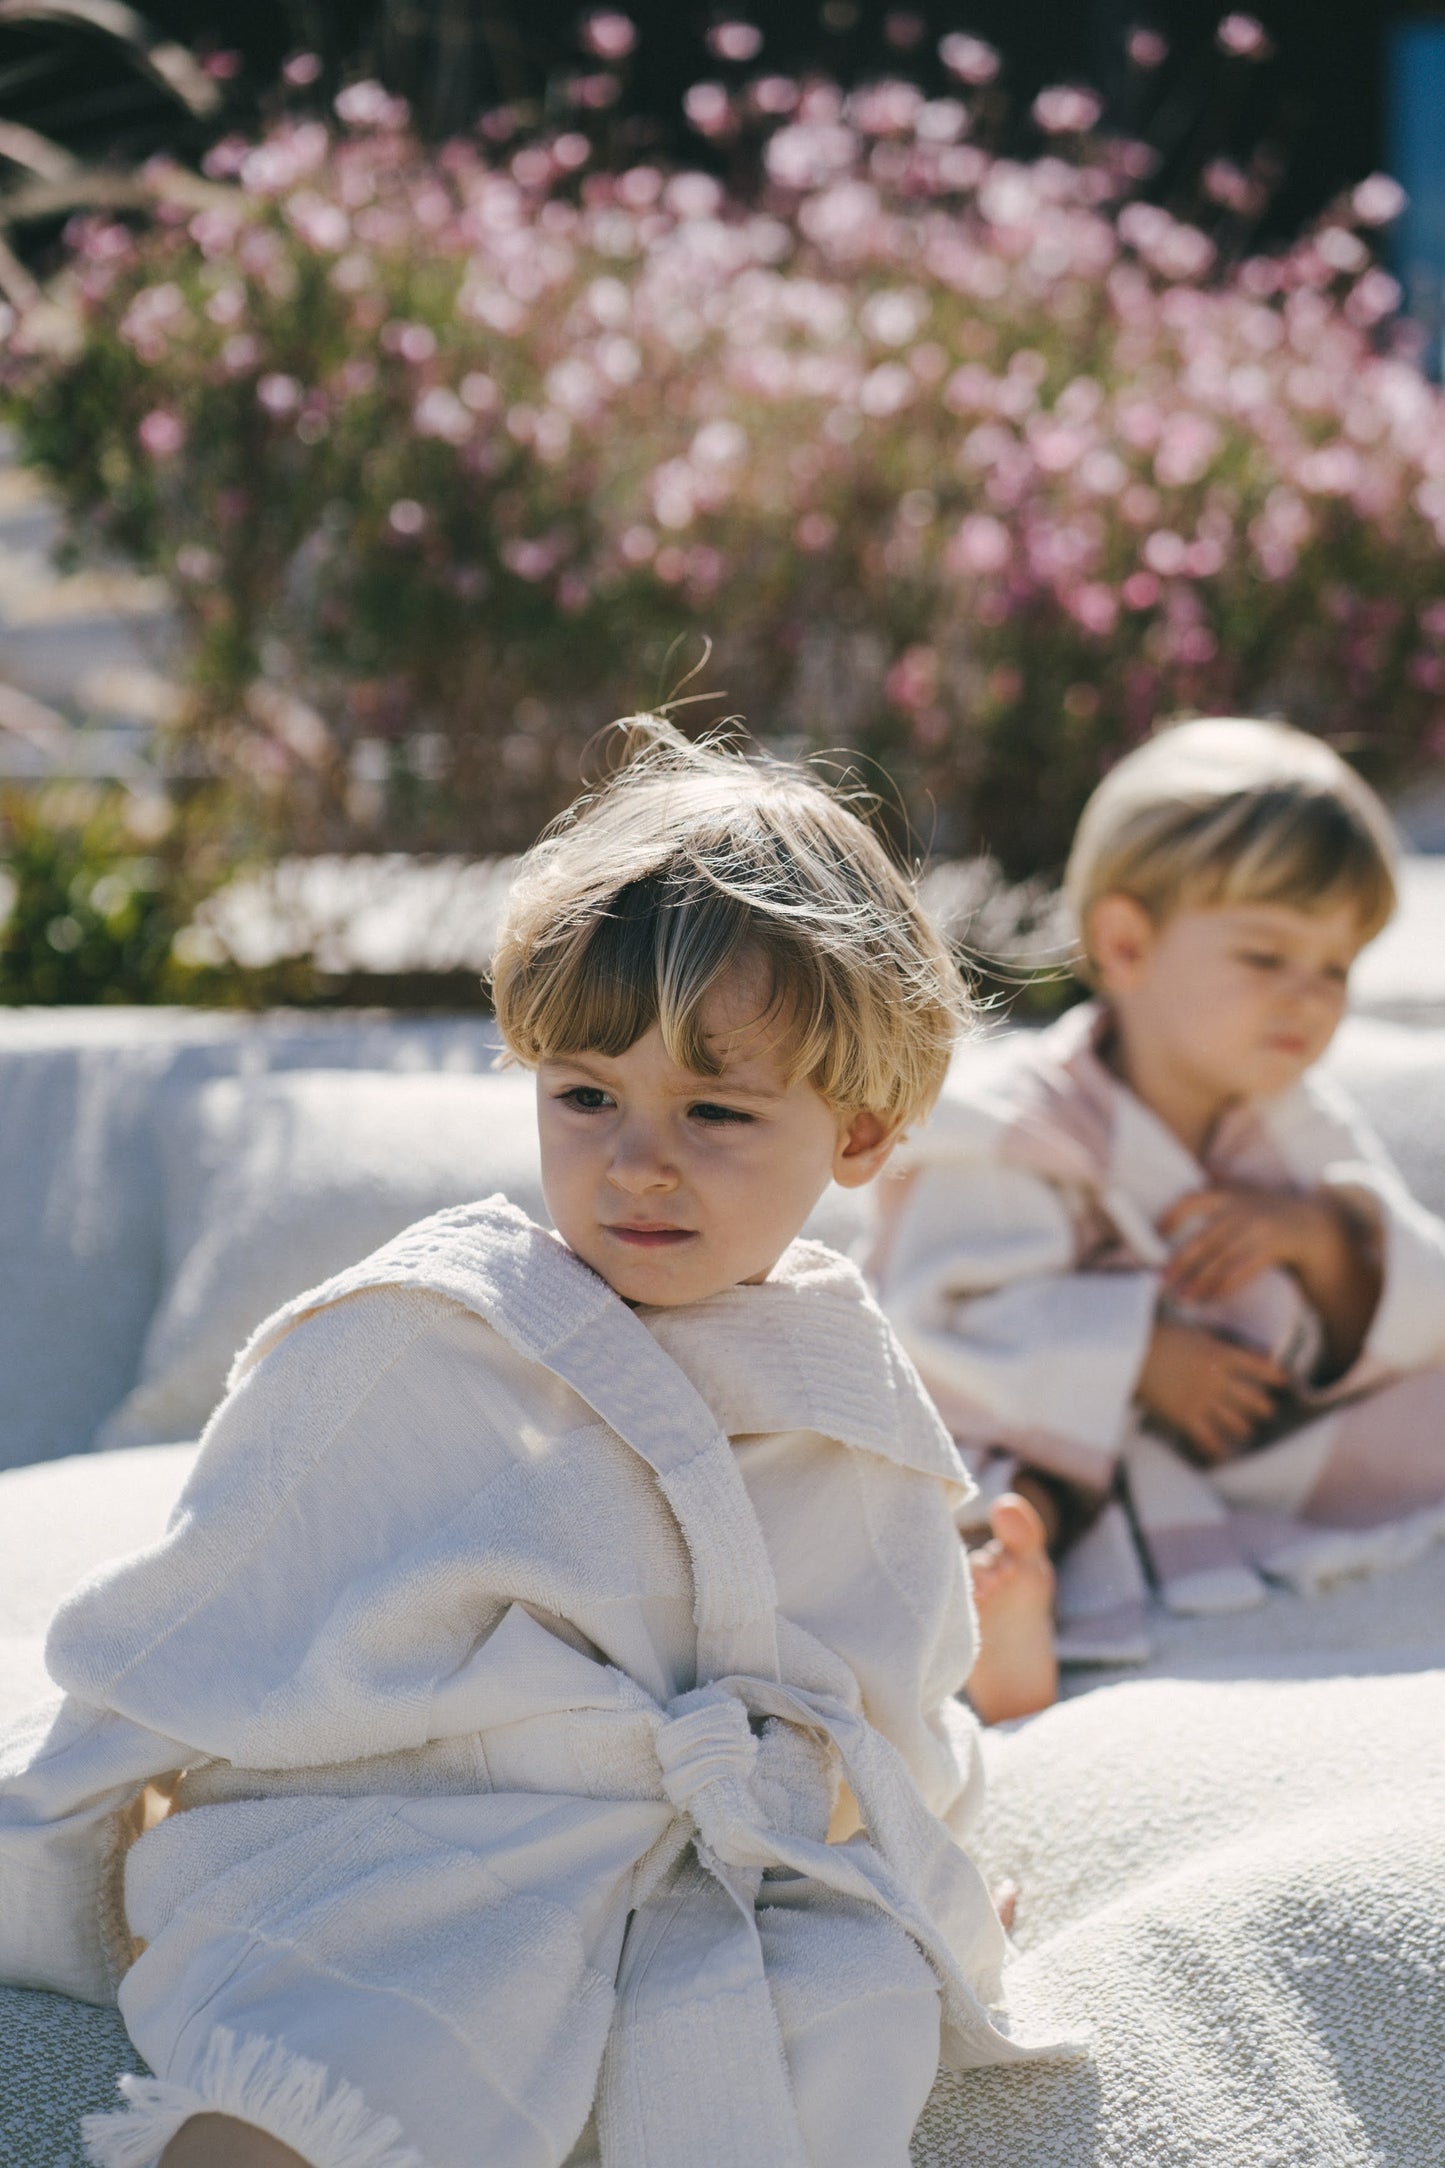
644, 1237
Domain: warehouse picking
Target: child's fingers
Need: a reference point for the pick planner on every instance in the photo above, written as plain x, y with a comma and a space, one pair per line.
1232, 1261
1248, 1405
1195, 1270
1184, 1209
1252, 1362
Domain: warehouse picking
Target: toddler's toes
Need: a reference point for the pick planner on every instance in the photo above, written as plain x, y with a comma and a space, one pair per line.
1018, 1528
1016, 1672
1006, 1903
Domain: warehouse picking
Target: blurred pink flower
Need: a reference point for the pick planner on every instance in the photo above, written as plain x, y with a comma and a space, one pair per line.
416, 343
1146, 48
886, 390
885, 109
323, 225
815, 531
440, 413
735, 41
1224, 182
608, 34
979, 546
636, 544
200, 566
775, 94
1375, 296
279, 394
1378, 200
892, 317
1094, 606
1165, 552
406, 518
810, 154
709, 109
1064, 109
371, 105
1243, 37
594, 93
161, 433
969, 58
239, 353
301, 70
1140, 591
904, 30
1188, 443
913, 680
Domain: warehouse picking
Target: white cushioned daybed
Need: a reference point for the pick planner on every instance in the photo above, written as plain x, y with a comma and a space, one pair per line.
1232, 1862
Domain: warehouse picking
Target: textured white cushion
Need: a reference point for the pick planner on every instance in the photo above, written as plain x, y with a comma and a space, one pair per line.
81, 1097
270, 1184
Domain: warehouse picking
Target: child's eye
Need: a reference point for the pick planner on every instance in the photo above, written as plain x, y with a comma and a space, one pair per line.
586, 1098
1260, 959
713, 1116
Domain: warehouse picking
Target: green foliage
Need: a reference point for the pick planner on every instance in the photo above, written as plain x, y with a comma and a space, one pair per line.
89, 914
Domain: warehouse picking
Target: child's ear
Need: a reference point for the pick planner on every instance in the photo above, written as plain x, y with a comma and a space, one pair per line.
1119, 936
863, 1146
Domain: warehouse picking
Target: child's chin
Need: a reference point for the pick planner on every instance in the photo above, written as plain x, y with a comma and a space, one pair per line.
659, 1281
1276, 1070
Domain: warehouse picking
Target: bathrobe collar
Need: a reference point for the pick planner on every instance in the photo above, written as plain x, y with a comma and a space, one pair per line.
807, 1349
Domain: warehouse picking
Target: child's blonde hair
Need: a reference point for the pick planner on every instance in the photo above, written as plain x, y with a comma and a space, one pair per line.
1228, 811
694, 858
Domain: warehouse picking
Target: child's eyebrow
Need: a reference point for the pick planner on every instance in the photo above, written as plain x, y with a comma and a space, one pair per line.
692, 1085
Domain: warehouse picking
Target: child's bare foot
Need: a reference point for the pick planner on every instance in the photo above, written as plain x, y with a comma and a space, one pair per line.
219, 2141
1013, 1586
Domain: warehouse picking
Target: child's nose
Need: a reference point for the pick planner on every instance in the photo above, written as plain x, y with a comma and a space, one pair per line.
639, 1161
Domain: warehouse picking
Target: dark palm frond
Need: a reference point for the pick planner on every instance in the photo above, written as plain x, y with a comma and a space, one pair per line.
166, 62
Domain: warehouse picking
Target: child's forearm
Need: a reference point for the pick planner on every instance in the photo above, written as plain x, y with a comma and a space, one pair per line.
1338, 1267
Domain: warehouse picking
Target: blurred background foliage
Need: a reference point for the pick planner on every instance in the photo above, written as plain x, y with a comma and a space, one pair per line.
464, 370
89, 914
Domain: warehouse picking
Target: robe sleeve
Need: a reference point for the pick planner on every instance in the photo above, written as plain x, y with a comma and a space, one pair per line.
1331, 1145
72, 1787
1019, 1347
1407, 1331
263, 1629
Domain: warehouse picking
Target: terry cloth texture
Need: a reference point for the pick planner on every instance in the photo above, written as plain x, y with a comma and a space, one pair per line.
523, 1657
1020, 1260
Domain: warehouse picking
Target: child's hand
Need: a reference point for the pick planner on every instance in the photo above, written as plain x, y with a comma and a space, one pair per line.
1232, 1235
1214, 1394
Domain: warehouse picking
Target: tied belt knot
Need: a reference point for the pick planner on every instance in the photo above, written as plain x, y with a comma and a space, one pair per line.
744, 1782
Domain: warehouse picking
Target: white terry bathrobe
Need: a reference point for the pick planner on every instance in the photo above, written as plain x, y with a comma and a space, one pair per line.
1020, 1261
509, 1659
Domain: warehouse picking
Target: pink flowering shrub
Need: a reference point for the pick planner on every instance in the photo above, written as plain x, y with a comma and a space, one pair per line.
977, 466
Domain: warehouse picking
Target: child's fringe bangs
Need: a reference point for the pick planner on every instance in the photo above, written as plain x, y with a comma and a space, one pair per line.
1232, 811
694, 860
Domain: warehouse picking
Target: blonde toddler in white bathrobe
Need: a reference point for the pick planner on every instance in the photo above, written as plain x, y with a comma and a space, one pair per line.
535, 1738
1149, 1251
